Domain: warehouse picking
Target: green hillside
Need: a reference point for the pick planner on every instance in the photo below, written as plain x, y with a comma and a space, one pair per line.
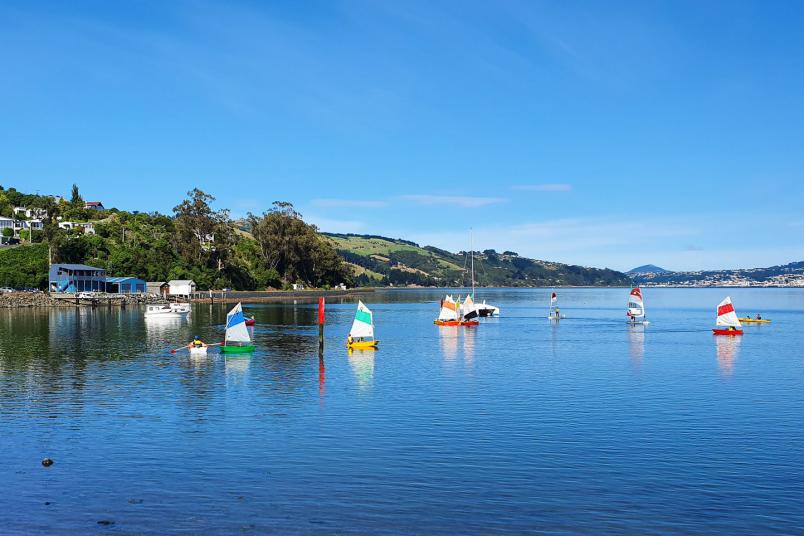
378, 260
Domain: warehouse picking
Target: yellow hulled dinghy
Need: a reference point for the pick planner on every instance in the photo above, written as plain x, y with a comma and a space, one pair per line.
361, 336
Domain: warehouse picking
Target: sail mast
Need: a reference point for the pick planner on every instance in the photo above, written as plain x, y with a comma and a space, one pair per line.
472, 248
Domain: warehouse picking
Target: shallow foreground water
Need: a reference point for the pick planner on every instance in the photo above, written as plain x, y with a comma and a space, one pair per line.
517, 425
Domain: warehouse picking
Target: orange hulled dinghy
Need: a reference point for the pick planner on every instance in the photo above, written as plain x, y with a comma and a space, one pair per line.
727, 321
448, 315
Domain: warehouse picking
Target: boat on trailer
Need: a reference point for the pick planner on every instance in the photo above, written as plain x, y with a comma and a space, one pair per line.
363, 329
167, 310
237, 339
635, 311
727, 321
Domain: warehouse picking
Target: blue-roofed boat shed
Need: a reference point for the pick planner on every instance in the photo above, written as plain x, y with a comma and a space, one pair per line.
125, 285
76, 278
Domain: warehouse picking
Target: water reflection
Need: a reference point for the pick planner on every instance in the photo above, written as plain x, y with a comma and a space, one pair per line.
322, 376
469, 336
160, 331
448, 338
636, 344
236, 370
362, 363
727, 349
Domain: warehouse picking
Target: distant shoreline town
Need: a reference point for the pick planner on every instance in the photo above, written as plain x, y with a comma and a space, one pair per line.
788, 275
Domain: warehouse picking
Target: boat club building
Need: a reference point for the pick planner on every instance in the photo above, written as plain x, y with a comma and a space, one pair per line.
84, 278
125, 285
76, 278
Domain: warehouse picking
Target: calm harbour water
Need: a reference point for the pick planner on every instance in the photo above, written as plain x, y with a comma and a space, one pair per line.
518, 425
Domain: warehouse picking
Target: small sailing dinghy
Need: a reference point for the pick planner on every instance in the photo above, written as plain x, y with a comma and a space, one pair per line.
361, 336
727, 321
469, 312
554, 313
448, 315
237, 340
635, 310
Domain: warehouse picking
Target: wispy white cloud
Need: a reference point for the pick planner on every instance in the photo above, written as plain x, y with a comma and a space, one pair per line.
596, 242
346, 203
457, 200
619, 242
547, 187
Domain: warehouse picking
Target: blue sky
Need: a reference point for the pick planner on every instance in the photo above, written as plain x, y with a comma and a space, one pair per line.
597, 133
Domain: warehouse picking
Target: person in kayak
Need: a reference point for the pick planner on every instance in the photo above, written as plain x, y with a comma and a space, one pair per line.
759, 316
196, 343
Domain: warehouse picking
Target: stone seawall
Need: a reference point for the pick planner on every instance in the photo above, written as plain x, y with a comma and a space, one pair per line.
11, 300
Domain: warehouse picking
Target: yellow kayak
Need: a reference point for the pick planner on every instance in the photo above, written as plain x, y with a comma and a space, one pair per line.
754, 321
362, 345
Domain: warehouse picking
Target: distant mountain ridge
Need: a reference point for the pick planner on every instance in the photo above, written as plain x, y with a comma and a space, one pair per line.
787, 275
647, 269
379, 260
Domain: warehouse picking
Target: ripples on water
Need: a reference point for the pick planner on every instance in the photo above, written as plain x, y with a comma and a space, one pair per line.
519, 425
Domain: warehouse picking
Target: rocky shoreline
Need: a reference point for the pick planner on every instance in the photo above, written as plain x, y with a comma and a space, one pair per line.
14, 300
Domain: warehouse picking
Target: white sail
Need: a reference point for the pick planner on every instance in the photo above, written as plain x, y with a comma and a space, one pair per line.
726, 315
363, 325
636, 305
553, 299
469, 309
449, 310
236, 326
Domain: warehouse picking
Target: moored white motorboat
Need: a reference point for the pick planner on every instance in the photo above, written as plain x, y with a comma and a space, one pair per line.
485, 310
167, 310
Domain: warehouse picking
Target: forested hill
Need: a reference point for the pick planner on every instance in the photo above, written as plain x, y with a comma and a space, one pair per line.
275, 249
378, 260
